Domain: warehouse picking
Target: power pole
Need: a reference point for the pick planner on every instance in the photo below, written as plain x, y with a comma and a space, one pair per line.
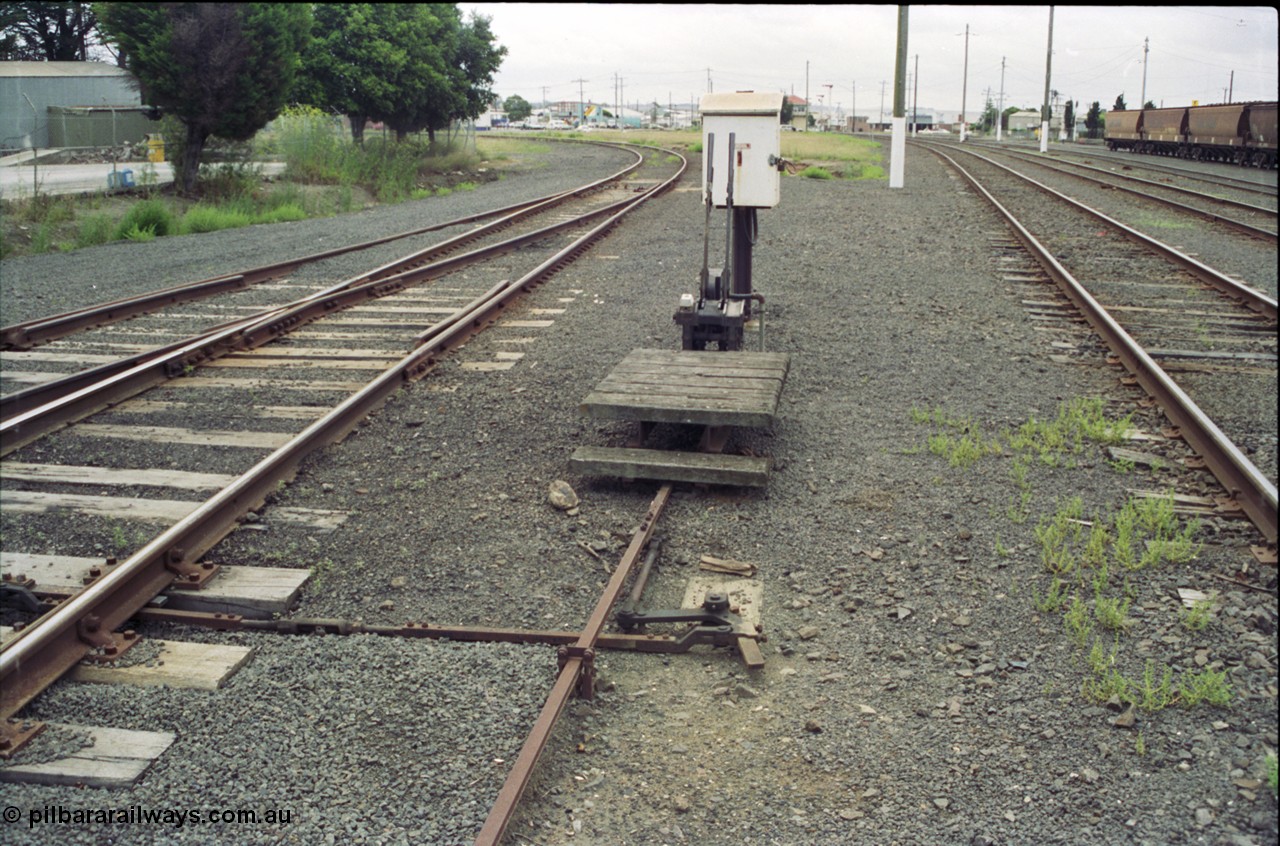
883, 83
854, 85
808, 109
915, 96
1044, 112
582, 111
1000, 108
1231, 87
964, 85
1145, 49
708, 80
898, 143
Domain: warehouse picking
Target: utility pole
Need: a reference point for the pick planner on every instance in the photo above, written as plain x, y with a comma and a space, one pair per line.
828, 86
708, 80
1231, 87
898, 144
1145, 49
883, 83
964, 85
915, 96
854, 85
808, 109
1000, 108
1044, 112
581, 108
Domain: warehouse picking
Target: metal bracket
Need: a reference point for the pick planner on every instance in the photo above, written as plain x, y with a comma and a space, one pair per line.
106, 646
189, 576
587, 673
15, 733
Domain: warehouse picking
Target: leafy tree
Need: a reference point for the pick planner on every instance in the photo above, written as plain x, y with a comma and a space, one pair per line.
350, 62
518, 108
1119, 106
788, 111
219, 68
987, 122
47, 32
1069, 119
1150, 104
1093, 120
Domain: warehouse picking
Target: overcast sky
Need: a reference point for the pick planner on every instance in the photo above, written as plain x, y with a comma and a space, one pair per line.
663, 52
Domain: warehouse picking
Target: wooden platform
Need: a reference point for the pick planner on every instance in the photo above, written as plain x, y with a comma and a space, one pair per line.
703, 467
717, 390
706, 388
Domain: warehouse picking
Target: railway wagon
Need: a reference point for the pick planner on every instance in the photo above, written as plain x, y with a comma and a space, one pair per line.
1164, 131
1260, 145
1123, 129
1216, 133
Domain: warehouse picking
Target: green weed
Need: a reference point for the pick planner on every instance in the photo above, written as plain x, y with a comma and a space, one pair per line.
1209, 686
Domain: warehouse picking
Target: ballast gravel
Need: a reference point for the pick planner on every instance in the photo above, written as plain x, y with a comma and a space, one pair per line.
919, 687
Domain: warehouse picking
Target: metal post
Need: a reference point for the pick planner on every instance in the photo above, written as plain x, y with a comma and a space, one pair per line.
1048, 67
964, 85
1000, 109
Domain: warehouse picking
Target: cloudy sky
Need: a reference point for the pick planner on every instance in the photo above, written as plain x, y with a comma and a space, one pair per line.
670, 53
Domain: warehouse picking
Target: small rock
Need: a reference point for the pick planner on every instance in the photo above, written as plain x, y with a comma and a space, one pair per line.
1203, 816
813, 726
942, 804
1127, 719
561, 495
808, 632
399, 582
387, 605
851, 814
681, 803
1090, 775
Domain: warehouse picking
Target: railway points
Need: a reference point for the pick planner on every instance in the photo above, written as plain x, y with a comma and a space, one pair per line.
897, 627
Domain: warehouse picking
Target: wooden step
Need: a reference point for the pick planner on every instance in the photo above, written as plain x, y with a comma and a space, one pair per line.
707, 468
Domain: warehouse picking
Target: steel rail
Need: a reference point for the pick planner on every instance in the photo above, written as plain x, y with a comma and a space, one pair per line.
1247, 486
1145, 163
576, 668
256, 330
22, 401
1243, 226
42, 652
42, 330
1250, 298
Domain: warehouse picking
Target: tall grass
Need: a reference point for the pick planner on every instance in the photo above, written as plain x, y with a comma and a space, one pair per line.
316, 149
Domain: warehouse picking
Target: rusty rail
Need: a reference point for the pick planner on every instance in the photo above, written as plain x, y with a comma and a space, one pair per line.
42, 330
1247, 486
577, 672
41, 653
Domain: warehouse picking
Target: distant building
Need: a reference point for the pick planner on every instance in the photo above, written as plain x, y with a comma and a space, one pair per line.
1027, 120
799, 111
28, 90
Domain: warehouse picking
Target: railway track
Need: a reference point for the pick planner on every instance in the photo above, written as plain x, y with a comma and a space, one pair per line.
354, 342
1148, 302
1247, 211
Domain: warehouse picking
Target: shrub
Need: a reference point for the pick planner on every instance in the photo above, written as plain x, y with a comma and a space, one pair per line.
94, 230
147, 216
815, 172
212, 219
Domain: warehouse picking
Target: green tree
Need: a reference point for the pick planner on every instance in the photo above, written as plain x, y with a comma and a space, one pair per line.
1069, 119
788, 111
1119, 106
47, 32
220, 68
987, 122
1150, 104
1093, 120
518, 108
351, 62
